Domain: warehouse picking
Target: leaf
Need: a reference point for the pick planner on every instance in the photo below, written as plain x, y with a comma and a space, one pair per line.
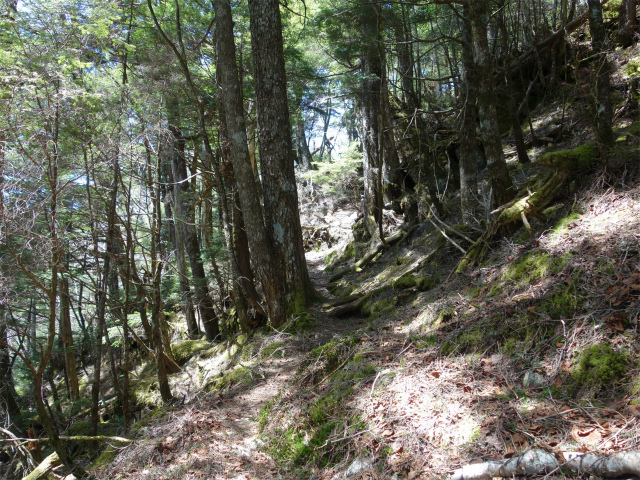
387, 433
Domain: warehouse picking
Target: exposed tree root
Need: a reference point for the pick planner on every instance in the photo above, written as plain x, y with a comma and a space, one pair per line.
563, 164
539, 462
391, 240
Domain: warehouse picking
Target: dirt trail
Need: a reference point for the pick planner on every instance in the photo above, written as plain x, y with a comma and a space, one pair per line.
215, 436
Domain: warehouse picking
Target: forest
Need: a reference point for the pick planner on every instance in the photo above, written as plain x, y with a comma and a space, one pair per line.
368, 239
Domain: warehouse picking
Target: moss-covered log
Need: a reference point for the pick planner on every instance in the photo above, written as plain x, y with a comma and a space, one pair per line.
563, 164
368, 257
45, 468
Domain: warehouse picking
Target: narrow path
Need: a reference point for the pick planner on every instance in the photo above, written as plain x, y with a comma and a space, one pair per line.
215, 436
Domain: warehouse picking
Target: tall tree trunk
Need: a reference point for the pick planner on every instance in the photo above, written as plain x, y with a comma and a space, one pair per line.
181, 261
603, 124
468, 144
156, 295
184, 196
265, 262
276, 155
371, 65
499, 177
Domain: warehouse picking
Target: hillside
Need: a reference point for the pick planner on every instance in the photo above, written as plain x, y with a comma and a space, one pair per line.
536, 346
319, 240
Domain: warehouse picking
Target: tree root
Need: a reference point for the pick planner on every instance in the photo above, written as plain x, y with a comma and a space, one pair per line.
563, 164
391, 240
539, 462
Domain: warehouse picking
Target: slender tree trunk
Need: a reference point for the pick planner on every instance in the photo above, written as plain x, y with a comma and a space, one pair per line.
184, 197
7, 398
499, 177
603, 108
304, 153
627, 22
66, 333
468, 144
156, 296
181, 261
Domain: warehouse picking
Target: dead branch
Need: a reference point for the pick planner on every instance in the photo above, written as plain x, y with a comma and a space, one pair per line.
539, 462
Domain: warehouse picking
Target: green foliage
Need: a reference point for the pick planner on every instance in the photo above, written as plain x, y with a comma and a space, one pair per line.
600, 365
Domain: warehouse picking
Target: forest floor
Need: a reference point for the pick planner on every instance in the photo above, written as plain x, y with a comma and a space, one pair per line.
480, 367
536, 346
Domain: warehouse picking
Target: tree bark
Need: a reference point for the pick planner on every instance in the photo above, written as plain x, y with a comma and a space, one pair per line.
627, 22
277, 164
184, 197
6, 392
230, 90
603, 125
371, 118
468, 145
499, 177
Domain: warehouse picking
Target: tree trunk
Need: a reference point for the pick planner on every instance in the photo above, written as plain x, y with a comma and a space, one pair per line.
181, 260
274, 134
499, 177
6, 392
66, 333
627, 22
304, 153
468, 145
371, 118
156, 296
603, 117
187, 216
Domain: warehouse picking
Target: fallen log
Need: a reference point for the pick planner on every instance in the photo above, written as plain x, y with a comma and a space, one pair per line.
389, 241
540, 462
562, 164
45, 468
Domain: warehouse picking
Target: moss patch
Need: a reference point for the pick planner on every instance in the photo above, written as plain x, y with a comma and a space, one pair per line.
533, 267
270, 350
183, 351
600, 365
580, 158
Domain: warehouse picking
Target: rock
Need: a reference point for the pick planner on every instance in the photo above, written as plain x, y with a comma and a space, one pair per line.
533, 380
359, 465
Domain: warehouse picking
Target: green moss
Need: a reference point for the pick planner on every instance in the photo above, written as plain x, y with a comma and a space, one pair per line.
183, 351
410, 281
380, 306
144, 392
600, 365
533, 267
270, 349
562, 302
633, 68
562, 226
106, 457
495, 290
578, 159
229, 378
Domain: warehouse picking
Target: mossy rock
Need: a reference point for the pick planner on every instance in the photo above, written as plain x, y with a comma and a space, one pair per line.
183, 351
578, 159
600, 365
227, 379
411, 281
